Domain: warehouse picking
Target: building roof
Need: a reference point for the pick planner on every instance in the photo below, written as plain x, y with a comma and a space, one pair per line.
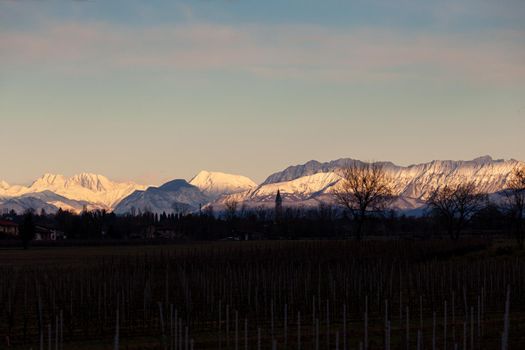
8, 223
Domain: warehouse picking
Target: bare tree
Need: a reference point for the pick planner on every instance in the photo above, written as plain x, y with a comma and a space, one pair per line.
365, 187
231, 208
515, 201
456, 205
231, 213
325, 212
262, 213
208, 211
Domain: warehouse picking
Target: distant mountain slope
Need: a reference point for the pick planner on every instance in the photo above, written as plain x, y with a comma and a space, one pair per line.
215, 184
312, 182
173, 196
309, 168
46, 200
21, 204
62, 202
417, 181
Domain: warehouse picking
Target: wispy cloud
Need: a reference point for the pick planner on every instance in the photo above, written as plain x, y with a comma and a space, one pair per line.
273, 52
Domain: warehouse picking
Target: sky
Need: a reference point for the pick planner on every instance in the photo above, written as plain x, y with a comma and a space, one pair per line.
160, 89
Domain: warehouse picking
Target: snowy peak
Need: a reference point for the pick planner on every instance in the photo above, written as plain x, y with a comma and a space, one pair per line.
49, 180
215, 184
93, 182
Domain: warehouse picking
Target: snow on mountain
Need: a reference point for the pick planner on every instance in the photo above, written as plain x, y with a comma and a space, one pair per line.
298, 189
215, 184
173, 197
62, 202
310, 168
307, 190
313, 182
96, 190
93, 188
47, 200
21, 204
417, 181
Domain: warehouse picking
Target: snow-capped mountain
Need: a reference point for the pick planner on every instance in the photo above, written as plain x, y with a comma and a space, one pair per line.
176, 196
307, 184
215, 184
181, 196
311, 183
94, 190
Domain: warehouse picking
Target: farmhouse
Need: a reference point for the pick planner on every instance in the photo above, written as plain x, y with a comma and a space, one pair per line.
8, 228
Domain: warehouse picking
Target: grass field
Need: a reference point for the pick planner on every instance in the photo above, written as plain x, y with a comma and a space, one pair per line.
282, 294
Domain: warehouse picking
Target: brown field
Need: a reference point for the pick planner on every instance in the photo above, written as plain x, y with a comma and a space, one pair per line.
344, 293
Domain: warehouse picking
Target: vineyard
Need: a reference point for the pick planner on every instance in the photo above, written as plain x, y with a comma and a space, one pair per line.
440, 294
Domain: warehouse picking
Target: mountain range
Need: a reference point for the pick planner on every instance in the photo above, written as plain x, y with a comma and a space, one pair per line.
307, 185
74, 193
311, 183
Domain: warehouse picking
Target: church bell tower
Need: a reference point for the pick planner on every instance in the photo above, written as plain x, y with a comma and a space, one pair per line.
278, 206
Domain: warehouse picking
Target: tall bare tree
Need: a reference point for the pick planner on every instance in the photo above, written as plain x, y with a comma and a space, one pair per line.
231, 213
231, 208
364, 188
456, 205
515, 201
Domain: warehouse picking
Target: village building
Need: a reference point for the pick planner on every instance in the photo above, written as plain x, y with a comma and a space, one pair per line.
8, 228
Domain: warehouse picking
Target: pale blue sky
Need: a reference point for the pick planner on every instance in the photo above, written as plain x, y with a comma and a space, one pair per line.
156, 90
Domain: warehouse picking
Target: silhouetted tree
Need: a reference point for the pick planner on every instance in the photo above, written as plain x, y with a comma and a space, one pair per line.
515, 201
489, 219
231, 209
231, 213
27, 229
208, 211
364, 187
456, 205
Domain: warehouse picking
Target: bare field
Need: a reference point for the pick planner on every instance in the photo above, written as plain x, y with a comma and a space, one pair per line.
282, 294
